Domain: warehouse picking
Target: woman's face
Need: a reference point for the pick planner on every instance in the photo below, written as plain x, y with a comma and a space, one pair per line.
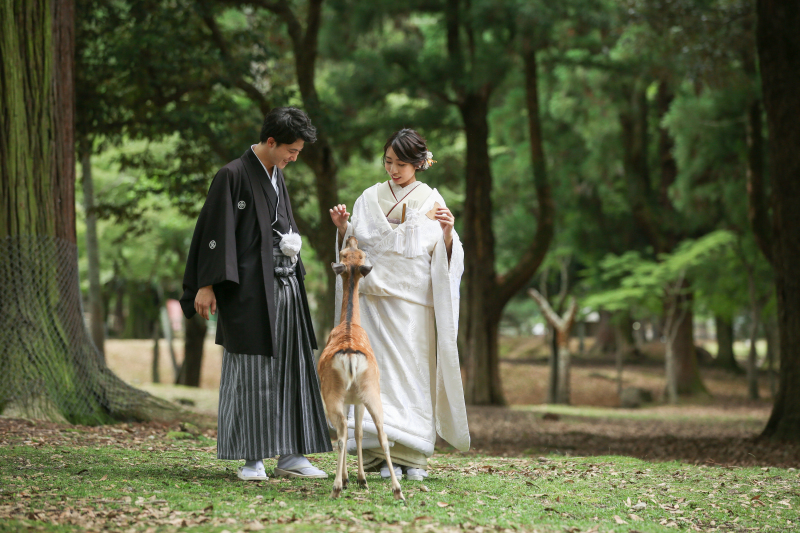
402, 173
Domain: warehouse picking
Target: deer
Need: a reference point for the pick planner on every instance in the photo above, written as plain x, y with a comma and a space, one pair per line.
349, 373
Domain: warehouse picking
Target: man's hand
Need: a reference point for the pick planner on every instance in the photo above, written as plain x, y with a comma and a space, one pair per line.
205, 301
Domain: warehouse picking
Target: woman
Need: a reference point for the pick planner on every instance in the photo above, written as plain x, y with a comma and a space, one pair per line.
409, 308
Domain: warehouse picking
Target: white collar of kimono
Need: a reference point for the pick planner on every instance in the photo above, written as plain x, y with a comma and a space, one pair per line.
273, 179
377, 212
397, 189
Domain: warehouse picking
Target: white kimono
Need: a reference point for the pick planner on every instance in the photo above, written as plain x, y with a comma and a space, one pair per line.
409, 308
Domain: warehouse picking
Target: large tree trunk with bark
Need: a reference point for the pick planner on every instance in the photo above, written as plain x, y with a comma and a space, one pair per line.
48, 362
97, 323
779, 61
483, 385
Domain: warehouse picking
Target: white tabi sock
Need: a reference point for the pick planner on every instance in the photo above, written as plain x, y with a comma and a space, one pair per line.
254, 465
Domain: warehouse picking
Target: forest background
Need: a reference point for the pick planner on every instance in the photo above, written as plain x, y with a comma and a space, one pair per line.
615, 152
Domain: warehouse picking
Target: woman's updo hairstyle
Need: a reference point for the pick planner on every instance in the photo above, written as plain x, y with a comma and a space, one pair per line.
410, 147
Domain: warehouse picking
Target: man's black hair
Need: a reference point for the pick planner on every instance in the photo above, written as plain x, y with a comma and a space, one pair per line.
286, 125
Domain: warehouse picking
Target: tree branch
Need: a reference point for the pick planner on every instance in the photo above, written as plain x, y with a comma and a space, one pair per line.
249, 89
562, 325
285, 12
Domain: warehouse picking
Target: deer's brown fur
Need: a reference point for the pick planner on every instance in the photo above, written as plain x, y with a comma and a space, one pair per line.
349, 374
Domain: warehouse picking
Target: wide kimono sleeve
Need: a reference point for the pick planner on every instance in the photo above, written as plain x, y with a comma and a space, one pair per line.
212, 255
449, 405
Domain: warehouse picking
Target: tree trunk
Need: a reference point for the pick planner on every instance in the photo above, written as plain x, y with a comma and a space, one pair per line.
672, 374
553, 363
166, 329
779, 61
154, 367
773, 354
680, 340
47, 359
752, 360
757, 210
483, 385
619, 359
755, 312
561, 327
725, 358
564, 360
194, 338
97, 324
605, 335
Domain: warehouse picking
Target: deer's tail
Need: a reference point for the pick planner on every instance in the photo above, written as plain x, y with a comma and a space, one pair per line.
351, 363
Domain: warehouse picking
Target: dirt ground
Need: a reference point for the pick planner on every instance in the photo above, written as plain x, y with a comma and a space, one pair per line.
524, 380
719, 429
132, 360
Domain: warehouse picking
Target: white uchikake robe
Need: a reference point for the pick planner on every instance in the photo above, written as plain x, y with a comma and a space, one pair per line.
409, 309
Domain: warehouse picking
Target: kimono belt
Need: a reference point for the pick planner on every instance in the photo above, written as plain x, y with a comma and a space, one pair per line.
284, 272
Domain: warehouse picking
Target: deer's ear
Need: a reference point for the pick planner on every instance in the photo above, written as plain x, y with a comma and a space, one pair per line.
338, 268
365, 269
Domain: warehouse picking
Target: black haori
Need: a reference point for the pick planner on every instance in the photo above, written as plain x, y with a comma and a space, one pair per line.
272, 406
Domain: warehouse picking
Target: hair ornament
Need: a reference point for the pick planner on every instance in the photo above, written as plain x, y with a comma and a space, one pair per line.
429, 161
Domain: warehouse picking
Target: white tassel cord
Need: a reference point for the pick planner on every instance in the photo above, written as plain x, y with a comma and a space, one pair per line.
413, 247
398, 241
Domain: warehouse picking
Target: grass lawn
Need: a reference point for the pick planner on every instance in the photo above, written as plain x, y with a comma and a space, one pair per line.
142, 478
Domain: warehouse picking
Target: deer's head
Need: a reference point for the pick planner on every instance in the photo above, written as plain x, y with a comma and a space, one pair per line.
351, 261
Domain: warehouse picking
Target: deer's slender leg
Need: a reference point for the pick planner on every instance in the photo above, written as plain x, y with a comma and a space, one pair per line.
359, 431
339, 421
372, 401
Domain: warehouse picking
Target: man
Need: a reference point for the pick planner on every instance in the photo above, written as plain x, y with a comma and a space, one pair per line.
244, 266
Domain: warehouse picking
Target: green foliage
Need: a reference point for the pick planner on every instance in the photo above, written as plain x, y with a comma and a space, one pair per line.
381, 66
149, 247
637, 281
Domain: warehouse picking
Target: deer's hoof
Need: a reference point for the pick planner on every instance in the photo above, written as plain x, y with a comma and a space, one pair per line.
398, 495
362, 483
336, 492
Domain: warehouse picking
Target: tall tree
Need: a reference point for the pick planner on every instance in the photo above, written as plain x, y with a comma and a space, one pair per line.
488, 292
779, 63
47, 360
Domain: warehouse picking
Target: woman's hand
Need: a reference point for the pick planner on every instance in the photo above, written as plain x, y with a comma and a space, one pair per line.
446, 220
339, 215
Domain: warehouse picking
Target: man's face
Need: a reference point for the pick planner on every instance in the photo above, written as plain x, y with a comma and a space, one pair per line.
283, 154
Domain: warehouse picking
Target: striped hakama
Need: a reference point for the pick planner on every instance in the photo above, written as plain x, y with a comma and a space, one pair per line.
271, 406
